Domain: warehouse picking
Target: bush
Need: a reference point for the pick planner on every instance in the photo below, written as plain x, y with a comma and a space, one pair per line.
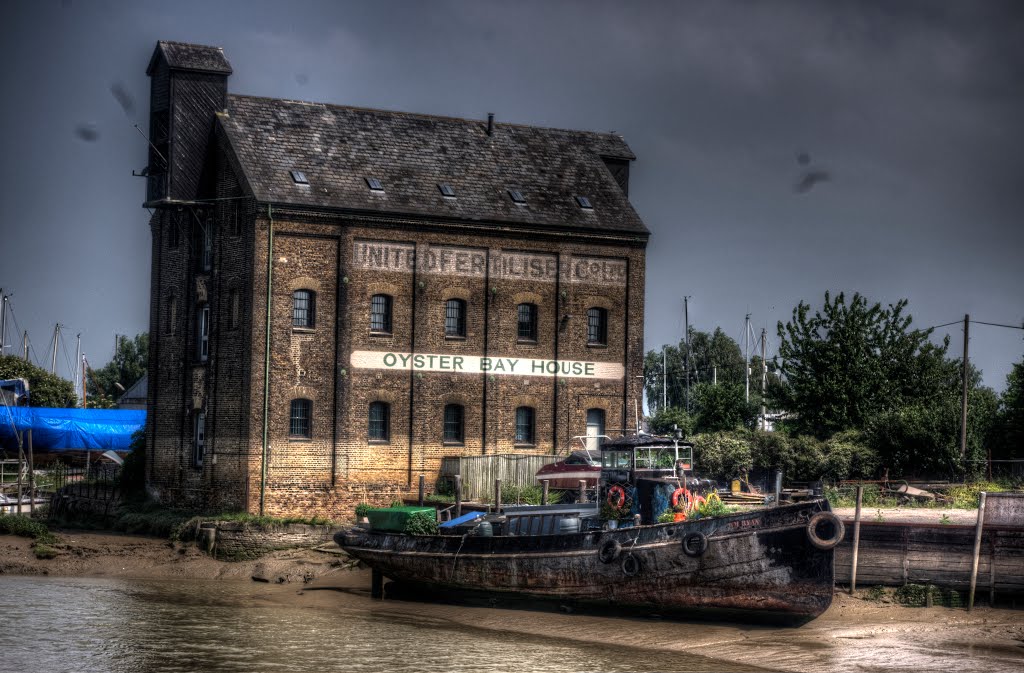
772, 450
808, 458
421, 523
722, 455
362, 509
847, 456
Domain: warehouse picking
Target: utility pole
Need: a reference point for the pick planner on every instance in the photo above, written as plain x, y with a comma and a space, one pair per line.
664, 379
963, 409
746, 356
78, 358
53, 361
686, 334
764, 380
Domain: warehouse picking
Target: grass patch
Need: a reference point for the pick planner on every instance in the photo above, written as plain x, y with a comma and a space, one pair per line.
37, 531
916, 596
24, 526
875, 593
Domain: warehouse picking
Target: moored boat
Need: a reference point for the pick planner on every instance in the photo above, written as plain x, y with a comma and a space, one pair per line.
774, 562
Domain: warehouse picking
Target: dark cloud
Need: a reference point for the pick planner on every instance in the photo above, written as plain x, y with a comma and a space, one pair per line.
87, 132
124, 99
904, 118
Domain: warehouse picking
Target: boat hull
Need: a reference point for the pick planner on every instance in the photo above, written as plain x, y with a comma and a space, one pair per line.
758, 563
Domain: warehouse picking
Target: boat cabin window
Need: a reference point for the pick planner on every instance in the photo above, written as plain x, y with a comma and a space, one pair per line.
616, 460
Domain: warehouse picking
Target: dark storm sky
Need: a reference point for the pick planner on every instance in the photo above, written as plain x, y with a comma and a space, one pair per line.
913, 110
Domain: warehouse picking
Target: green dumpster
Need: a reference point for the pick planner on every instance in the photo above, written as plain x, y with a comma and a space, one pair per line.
393, 518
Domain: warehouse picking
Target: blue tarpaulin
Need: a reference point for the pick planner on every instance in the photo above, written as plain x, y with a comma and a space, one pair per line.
67, 429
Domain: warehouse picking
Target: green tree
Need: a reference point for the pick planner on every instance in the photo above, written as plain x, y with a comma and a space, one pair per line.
711, 354
129, 363
45, 389
662, 422
722, 407
849, 362
1007, 431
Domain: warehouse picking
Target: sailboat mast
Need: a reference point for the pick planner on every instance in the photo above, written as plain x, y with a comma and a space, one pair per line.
53, 360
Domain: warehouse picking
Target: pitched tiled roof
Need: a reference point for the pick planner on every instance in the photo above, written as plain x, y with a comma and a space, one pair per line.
338, 148
183, 56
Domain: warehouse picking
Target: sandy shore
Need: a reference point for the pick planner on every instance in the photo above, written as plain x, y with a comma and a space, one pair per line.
925, 515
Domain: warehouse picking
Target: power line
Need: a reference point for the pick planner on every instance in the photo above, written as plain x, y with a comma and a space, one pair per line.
995, 324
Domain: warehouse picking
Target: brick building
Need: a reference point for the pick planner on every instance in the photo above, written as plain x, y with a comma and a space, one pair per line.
342, 296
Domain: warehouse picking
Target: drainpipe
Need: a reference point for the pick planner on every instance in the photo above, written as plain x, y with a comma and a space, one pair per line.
266, 359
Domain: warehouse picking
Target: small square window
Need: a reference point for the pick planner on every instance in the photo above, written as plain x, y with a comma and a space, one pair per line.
447, 190
584, 203
299, 177
374, 184
517, 196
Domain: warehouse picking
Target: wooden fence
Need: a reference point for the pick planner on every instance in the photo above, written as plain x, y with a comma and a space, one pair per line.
479, 472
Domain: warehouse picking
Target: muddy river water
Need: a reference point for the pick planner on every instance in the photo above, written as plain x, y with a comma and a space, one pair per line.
116, 625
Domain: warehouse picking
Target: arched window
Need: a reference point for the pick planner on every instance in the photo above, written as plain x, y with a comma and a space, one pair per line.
235, 307
595, 428
454, 423
597, 327
379, 422
380, 314
525, 419
455, 318
527, 314
300, 419
304, 308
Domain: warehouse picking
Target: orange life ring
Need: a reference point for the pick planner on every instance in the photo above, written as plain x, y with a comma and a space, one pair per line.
680, 492
619, 494
697, 501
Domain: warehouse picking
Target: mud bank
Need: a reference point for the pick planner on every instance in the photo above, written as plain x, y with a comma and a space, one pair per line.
91, 554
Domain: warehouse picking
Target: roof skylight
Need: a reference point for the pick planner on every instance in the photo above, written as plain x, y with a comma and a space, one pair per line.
584, 203
299, 177
517, 196
374, 184
447, 190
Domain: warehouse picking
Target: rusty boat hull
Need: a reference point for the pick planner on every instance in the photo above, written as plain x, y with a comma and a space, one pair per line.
759, 564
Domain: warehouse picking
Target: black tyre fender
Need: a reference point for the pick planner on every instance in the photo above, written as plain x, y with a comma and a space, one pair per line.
695, 544
838, 530
630, 565
608, 551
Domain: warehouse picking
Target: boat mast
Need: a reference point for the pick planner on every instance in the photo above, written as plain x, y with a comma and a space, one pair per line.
3, 321
746, 348
53, 360
686, 335
764, 379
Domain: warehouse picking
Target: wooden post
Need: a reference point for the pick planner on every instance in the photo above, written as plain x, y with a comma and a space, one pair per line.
497, 496
458, 495
583, 491
21, 468
545, 483
778, 486
31, 476
376, 584
977, 549
422, 486
856, 539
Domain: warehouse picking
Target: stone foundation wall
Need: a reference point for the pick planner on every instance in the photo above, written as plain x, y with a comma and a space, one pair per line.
235, 540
